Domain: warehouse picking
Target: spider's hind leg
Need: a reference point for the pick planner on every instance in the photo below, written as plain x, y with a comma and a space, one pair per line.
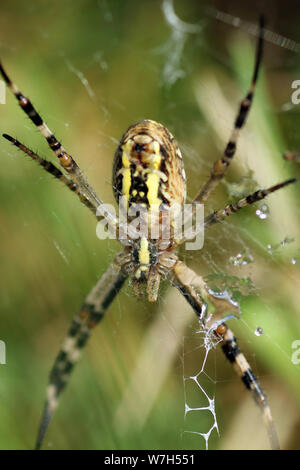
237, 359
197, 294
82, 325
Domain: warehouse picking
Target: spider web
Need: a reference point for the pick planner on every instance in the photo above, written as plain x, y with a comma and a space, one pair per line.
106, 72
219, 279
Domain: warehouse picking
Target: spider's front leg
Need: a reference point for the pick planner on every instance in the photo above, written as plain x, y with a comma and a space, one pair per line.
76, 180
201, 299
220, 167
66, 161
54, 171
80, 330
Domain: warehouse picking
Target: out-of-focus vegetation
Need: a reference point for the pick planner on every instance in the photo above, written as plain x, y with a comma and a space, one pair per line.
92, 68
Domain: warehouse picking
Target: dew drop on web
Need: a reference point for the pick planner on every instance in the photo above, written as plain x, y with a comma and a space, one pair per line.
241, 259
262, 212
259, 331
283, 243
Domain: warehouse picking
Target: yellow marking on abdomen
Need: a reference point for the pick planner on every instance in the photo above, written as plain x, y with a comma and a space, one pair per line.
144, 253
126, 182
152, 183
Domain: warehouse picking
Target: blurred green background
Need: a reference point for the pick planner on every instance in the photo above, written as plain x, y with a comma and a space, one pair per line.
92, 68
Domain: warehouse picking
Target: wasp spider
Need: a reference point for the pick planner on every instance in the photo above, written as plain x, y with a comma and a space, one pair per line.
148, 169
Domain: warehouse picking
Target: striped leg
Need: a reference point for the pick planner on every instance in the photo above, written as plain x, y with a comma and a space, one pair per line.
242, 367
50, 168
193, 288
65, 160
222, 164
82, 325
221, 214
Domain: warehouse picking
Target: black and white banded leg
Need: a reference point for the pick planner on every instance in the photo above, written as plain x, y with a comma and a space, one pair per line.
223, 163
237, 359
194, 290
65, 160
54, 171
77, 177
221, 214
80, 330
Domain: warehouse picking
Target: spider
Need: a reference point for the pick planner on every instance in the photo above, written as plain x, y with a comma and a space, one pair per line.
148, 170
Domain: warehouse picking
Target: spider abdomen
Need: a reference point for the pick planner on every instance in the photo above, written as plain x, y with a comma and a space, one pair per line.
148, 167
